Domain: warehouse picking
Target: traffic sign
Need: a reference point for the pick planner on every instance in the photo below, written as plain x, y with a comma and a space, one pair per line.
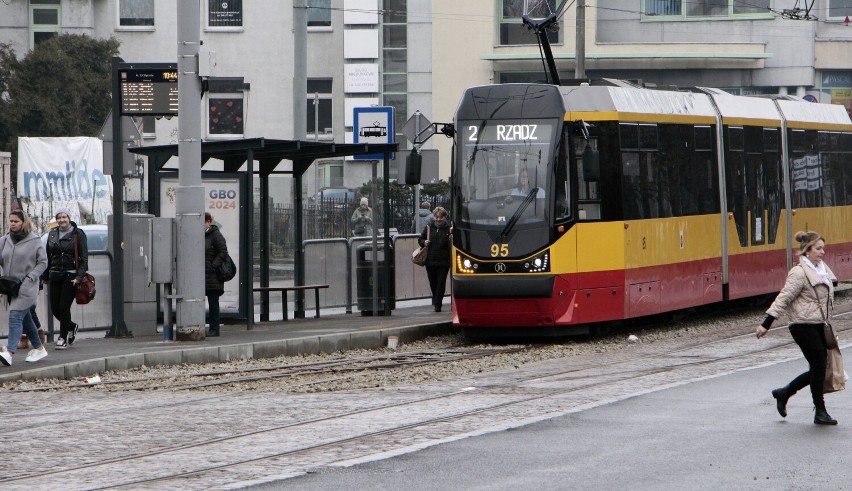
373, 125
418, 128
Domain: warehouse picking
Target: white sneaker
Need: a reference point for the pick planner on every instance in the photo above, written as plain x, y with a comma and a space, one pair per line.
60, 344
5, 357
36, 354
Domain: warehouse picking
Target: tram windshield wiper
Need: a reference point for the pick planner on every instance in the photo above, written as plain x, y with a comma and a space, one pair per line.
520, 211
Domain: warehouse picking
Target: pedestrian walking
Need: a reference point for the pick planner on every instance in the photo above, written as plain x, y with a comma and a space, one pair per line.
67, 264
807, 298
362, 219
436, 237
215, 251
24, 260
423, 217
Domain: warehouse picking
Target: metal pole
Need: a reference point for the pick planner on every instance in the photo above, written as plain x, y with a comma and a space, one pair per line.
316, 139
375, 267
580, 68
118, 327
300, 69
189, 196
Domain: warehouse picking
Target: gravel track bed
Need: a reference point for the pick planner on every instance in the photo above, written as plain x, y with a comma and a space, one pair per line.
658, 338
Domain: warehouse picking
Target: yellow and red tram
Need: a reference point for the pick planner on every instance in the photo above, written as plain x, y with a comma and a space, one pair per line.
641, 201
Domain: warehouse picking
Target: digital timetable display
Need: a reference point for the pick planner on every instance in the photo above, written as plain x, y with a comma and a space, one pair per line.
149, 91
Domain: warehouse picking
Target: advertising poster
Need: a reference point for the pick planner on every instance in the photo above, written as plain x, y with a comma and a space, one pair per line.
63, 173
222, 200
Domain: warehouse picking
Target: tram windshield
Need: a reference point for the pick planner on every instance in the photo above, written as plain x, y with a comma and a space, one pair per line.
502, 175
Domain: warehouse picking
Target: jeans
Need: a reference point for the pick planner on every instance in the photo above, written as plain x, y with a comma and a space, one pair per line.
213, 303
21, 321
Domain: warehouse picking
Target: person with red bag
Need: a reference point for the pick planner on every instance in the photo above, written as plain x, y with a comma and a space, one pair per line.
67, 264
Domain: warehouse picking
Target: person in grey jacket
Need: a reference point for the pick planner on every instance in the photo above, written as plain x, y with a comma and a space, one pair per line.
22, 255
807, 300
424, 217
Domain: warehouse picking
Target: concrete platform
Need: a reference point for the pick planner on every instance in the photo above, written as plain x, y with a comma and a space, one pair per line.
93, 353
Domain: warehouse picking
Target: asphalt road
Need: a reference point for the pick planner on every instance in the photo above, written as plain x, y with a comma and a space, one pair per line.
718, 433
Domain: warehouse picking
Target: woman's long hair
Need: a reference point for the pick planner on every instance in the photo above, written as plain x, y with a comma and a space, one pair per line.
27, 227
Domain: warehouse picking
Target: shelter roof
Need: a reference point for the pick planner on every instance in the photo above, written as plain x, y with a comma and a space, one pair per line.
267, 152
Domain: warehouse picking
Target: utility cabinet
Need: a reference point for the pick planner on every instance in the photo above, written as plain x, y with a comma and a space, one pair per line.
140, 295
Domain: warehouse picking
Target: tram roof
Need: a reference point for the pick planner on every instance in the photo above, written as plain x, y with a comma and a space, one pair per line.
801, 114
628, 103
604, 103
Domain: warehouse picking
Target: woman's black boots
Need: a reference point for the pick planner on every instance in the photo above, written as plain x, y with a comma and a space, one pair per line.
781, 396
822, 417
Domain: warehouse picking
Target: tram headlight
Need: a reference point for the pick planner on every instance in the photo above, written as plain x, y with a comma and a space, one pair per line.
540, 263
465, 265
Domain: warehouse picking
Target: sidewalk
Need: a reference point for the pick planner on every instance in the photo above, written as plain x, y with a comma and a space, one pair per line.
93, 353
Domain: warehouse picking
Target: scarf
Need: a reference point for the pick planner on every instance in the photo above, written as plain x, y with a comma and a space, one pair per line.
17, 236
820, 270
64, 231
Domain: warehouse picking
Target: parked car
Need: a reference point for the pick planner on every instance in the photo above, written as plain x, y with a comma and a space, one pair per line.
334, 196
97, 236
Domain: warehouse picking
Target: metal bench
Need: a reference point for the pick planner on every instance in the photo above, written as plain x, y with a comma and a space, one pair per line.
285, 289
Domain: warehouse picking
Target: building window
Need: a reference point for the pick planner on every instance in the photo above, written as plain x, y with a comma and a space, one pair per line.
319, 123
226, 106
395, 61
839, 9
225, 14
680, 9
512, 29
44, 20
319, 13
148, 127
135, 14
225, 115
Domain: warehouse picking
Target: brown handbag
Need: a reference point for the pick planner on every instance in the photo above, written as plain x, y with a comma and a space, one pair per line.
418, 257
84, 291
835, 376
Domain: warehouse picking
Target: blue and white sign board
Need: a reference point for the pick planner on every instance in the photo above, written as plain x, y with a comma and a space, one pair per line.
372, 125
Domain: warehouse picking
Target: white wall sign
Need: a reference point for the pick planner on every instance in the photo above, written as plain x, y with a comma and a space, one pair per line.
360, 43
360, 12
361, 77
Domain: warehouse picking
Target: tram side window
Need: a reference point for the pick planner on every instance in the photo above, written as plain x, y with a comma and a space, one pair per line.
755, 183
641, 185
805, 169
705, 176
735, 174
589, 203
846, 157
772, 173
833, 193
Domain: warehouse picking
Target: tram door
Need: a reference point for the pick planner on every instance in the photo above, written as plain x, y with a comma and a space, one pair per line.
755, 203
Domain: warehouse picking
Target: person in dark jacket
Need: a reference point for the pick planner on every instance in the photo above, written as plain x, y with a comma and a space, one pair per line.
22, 257
438, 239
64, 270
215, 251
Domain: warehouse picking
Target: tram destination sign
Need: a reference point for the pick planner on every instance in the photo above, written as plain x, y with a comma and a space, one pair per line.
149, 90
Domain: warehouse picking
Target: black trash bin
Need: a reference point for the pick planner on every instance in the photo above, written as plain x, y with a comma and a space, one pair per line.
364, 276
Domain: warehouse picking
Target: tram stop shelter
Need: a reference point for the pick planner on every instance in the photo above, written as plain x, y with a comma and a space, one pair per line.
264, 157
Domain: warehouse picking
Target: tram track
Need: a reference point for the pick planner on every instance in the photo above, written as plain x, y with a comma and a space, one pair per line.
578, 379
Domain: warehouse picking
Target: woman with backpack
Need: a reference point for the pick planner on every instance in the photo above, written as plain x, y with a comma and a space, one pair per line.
215, 252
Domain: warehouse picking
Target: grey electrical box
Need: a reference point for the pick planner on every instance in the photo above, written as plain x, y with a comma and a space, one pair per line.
162, 250
140, 295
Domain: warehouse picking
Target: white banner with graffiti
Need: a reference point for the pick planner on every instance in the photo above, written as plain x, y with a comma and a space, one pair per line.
63, 172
